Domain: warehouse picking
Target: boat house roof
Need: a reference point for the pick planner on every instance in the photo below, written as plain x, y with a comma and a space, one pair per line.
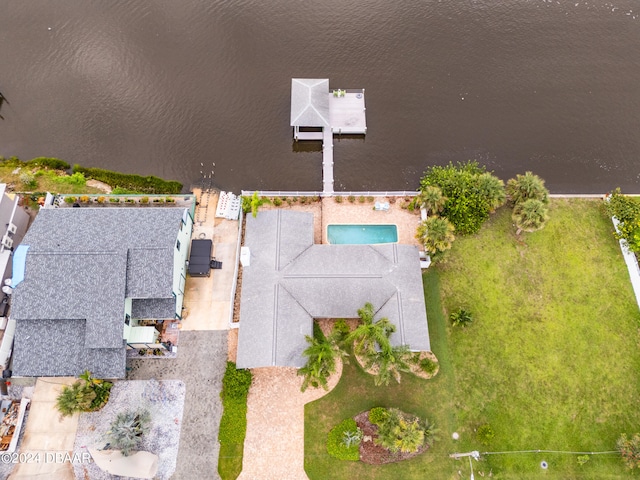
310, 102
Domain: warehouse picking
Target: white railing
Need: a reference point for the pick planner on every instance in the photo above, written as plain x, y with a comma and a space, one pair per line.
235, 273
631, 261
291, 193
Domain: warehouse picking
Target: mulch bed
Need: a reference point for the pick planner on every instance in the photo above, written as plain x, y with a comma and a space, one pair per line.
375, 454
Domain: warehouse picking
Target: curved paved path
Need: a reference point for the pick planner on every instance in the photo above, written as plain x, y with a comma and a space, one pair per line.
274, 445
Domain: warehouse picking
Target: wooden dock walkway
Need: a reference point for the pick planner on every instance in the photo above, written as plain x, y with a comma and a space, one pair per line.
327, 161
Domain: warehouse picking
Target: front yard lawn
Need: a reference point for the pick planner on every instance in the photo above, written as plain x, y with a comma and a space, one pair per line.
550, 361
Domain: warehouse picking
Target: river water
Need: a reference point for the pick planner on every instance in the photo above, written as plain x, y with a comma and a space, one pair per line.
171, 87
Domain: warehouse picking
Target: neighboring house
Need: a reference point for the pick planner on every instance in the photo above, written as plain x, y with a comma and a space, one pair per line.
13, 225
290, 281
83, 280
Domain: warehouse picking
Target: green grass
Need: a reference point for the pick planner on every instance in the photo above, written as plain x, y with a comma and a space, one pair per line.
551, 360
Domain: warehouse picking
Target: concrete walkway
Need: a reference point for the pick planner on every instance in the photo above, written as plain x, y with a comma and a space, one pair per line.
200, 363
48, 435
208, 299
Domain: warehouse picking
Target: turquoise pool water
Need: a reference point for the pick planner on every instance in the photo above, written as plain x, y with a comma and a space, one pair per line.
361, 234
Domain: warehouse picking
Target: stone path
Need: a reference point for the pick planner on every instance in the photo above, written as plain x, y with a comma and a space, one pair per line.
200, 364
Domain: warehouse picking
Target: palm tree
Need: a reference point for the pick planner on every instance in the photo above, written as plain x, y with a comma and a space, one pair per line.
322, 355
253, 203
74, 398
430, 198
127, 430
530, 215
371, 336
436, 234
491, 188
390, 363
399, 434
525, 187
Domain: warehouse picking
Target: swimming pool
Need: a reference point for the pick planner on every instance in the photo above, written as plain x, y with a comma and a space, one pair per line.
361, 234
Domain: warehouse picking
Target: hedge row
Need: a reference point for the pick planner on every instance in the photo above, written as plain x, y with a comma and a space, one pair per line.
47, 162
131, 182
233, 424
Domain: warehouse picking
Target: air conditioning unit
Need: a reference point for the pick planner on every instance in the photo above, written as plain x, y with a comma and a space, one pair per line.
12, 228
7, 241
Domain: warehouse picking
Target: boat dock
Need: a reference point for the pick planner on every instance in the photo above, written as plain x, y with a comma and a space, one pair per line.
317, 113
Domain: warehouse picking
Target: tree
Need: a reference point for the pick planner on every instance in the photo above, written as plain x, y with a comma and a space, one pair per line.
401, 432
127, 430
389, 364
87, 394
530, 215
465, 186
526, 187
629, 448
430, 198
436, 234
371, 336
322, 355
492, 189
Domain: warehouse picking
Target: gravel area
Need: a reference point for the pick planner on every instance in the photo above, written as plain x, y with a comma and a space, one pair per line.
164, 399
200, 364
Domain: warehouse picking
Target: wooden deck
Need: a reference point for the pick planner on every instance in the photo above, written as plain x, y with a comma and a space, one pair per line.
348, 113
327, 162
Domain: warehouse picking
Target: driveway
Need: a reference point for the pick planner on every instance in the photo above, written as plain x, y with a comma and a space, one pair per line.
200, 363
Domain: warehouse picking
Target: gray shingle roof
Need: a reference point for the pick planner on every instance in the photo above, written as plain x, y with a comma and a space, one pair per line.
80, 265
310, 102
50, 348
291, 281
153, 308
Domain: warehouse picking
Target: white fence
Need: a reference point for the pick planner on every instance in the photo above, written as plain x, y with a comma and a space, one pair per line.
291, 193
632, 264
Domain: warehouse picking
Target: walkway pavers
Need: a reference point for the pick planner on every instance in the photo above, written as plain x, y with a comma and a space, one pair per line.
48, 436
200, 363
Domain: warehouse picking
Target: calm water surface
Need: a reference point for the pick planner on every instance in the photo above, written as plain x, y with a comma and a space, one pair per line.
163, 87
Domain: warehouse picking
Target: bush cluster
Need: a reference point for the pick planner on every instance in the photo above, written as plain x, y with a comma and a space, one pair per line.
131, 182
377, 415
471, 193
336, 446
46, 162
87, 394
627, 212
235, 387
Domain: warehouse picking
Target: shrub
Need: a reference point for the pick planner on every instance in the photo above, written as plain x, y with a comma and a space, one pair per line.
158, 200
114, 200
142, 352
337, 199
303, 200
428, 366
28, 180
144, 200
236, 382
277, 201
351, 199
485, 433
361, 199
294, 199
75, 179
122, 191
170, 200
377, 415
461, 317
100, 199
136, 183
84, 199
370, 199
129, 200
336, 446
582, 459
52, 163
69, 199
627, 211
341, 328
629, 448
467, 205
126, 431
392, 200
289, 201
401, 432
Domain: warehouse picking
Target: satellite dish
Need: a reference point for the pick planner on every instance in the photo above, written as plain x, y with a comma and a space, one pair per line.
7, 289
